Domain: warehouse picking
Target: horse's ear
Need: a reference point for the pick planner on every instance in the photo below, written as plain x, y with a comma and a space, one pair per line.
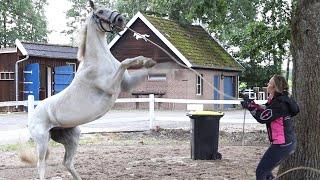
91, 4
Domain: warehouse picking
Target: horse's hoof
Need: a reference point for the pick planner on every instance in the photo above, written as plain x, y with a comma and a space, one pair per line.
149, 63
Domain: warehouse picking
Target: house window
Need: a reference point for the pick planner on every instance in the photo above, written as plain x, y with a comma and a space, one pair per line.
157, 77
199, 85
8, 76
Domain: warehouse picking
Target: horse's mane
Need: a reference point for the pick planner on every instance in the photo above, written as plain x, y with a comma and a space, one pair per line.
82, 42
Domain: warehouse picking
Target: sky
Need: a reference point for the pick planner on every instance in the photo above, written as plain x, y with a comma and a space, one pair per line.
57, 22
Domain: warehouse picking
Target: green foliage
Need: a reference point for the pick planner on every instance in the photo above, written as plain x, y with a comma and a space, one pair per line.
243, 86
260, 31
130, 7
22, 19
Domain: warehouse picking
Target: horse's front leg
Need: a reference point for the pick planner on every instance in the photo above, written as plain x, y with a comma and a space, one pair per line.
121, 74
133, 79
138, 62
130, 81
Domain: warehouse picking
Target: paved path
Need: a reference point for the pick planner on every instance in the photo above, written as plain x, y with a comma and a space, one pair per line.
13, 126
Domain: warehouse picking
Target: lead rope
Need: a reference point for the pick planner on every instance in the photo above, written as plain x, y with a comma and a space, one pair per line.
197, 73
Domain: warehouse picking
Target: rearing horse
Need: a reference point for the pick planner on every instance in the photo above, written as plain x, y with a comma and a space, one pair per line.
99, 80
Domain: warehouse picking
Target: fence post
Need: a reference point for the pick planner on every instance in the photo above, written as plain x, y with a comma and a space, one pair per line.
151, 110
30, 106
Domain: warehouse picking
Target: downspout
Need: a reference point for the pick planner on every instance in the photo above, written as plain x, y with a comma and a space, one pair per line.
24, 52
17, 76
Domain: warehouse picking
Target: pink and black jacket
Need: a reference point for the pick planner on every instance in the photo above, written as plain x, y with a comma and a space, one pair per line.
277, 115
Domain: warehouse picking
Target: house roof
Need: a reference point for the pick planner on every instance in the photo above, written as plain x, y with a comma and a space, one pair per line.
192, 44
50, 50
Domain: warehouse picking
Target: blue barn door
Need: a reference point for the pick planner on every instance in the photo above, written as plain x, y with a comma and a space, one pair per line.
228, 90
31, 81
216, 94
63, 76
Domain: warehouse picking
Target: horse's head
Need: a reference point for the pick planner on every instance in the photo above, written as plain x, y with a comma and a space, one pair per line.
107, 20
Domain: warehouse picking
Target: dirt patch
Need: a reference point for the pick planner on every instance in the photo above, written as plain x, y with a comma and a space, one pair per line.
159, 154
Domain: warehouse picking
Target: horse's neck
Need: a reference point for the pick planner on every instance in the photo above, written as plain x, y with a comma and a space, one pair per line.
96, 47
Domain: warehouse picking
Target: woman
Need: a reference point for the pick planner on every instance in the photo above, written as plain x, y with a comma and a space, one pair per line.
277, 115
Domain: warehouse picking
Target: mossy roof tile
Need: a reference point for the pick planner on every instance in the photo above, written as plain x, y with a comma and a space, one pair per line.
195, 44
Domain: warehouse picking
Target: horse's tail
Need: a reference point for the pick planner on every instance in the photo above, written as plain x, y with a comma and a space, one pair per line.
28, 155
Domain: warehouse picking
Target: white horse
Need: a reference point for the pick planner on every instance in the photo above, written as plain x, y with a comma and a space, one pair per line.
99, 80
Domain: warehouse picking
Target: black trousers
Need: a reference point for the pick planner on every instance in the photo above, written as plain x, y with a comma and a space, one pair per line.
272, 158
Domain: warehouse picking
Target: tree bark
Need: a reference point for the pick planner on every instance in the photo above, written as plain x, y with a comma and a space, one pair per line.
306, 90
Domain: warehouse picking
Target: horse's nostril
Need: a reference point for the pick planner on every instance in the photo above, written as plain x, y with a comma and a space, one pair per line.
120, 19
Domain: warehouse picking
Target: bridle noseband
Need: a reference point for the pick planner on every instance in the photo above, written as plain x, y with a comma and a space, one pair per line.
111, 22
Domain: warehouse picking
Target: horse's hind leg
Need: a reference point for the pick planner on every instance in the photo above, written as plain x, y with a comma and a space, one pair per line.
69, 138
42, 140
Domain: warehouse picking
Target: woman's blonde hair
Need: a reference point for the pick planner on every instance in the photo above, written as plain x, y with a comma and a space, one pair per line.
280, 83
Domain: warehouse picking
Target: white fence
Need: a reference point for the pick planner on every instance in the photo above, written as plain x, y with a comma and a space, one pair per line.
194, 104
255, 94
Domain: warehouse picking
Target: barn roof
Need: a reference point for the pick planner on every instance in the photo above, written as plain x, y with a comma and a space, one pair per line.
192, 44
50, 50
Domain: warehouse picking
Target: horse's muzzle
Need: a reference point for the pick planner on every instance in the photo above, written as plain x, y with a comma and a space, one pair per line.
120, 22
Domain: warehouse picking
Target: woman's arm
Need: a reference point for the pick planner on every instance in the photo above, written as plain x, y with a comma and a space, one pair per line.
268, 114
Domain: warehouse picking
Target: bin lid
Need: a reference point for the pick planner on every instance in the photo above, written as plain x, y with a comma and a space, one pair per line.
205, 113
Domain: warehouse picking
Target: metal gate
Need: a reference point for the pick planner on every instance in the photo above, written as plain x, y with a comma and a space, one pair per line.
31, 81
63, 76
228, 90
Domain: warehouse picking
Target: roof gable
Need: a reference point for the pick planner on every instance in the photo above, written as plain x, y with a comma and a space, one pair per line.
154, 30
192, 44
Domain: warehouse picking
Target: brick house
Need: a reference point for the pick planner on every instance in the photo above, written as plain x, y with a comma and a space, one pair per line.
192, 46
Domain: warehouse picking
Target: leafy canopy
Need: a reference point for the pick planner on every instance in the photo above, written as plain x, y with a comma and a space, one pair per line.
22, 19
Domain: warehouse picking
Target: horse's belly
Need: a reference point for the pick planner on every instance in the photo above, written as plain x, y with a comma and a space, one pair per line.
83, 110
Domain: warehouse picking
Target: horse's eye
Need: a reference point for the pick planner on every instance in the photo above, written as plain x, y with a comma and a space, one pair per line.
100, 11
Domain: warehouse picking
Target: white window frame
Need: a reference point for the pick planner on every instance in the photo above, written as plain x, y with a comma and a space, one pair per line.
74, 66
157, 77
6, 76
199, 85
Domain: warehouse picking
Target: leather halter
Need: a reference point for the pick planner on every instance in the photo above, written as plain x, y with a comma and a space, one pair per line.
111, 22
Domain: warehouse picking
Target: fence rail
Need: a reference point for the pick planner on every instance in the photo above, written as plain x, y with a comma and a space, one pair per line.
13, 103
151, 100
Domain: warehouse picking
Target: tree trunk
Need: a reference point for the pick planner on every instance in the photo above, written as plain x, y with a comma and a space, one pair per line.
306, 90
